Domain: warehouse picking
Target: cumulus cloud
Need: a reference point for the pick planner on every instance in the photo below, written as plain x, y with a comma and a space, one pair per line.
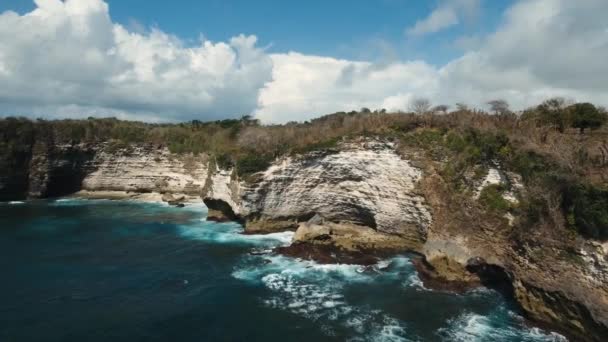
68, 59
69, 55
306, 86
544, 48
447, 14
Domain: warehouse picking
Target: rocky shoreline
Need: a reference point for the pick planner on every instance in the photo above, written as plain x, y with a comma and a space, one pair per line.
367, 200
178, 200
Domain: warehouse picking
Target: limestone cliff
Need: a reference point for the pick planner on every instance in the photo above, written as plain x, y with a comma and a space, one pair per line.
364, 183
364, 197
146, 168
51, 170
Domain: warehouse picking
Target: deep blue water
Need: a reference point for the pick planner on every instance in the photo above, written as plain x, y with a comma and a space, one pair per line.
77, 270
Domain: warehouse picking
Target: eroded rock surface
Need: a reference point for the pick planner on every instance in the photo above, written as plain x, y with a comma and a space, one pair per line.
146, 169
363, 183
51, 170
364, 198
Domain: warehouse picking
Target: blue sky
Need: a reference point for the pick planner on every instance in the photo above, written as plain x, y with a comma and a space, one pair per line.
294, 60
350, 29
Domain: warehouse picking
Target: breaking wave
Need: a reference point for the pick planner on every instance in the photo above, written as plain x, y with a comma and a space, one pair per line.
330, 294
231, 233
316, 292
319, 293
472, 327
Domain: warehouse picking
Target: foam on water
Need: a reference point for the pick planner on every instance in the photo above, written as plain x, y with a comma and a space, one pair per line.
231, 233
315, 291
16, 202
77, 201
323, 293
474, 327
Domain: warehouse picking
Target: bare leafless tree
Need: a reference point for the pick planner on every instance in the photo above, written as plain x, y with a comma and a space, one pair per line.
499, 107
420, 106
462, 107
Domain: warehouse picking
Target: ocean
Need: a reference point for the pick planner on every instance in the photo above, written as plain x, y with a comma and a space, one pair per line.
100, 270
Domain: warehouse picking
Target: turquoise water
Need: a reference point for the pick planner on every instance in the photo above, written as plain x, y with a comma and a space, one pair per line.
78, 270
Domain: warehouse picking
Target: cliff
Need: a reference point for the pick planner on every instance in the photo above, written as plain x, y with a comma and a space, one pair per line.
146, 168
354, 202
52, 170
368, 197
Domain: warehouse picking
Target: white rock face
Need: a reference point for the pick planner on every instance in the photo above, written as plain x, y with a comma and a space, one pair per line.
147, 169
494, 177
595, 257
222, 187
365, 183
497, 177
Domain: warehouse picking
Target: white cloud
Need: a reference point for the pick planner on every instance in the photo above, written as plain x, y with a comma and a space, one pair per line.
69, 59
544, 48
70, 54
447, 14
307, 86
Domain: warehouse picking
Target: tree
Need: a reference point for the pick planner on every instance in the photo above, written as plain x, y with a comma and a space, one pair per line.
586, 115
499, 107
552, 112
462, 107
248, 120
441, 109
420, 106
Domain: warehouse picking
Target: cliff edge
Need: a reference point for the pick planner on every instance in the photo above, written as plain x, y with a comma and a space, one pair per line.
369, 197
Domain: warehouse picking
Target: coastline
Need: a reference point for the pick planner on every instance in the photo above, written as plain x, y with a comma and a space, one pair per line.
148, 197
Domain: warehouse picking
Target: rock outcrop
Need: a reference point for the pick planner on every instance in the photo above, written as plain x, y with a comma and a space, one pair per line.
364, 198
52, 170
146, 168
363, 183
352, 204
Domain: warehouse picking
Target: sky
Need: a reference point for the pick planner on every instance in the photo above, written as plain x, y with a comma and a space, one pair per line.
293, 60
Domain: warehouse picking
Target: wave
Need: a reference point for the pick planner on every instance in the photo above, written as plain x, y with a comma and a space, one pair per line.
231, 233
16, 202
76, 201
471, 327
315, 291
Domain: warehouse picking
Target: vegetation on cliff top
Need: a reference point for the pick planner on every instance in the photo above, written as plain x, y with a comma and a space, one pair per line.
560, 149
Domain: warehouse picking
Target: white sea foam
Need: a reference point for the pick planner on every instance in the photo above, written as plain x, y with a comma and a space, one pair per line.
474, 327
391, 331
75, 201
414, 281
315, 291
231, 233
16, 202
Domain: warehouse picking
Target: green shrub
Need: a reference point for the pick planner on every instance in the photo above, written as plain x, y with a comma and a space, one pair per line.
252, 163
116, 145
323, 145
476, 147
586, 115
492, 198
530, 165
587, 210
224, 161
